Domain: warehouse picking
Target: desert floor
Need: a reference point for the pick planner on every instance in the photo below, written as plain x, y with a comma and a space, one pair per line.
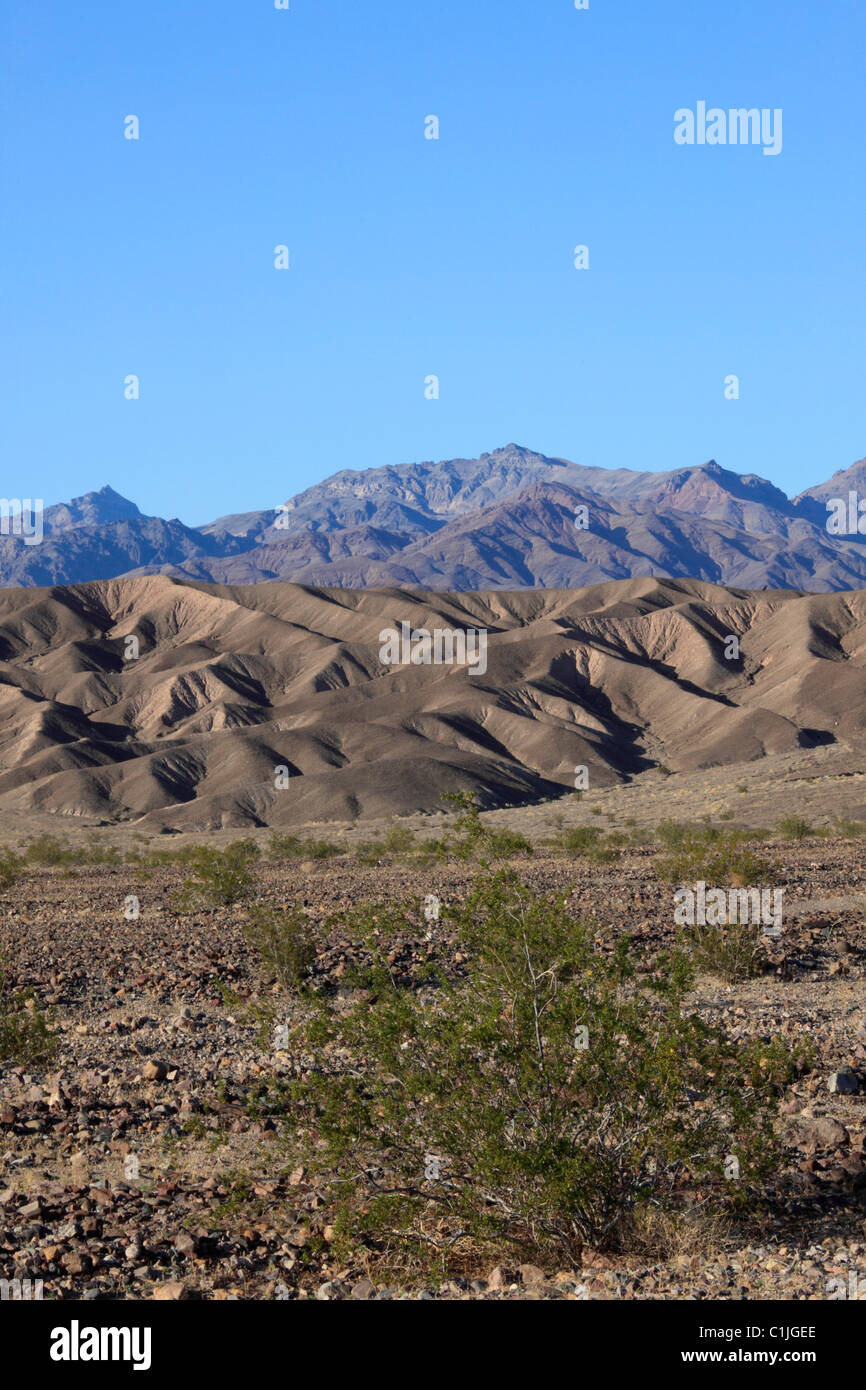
162, 1026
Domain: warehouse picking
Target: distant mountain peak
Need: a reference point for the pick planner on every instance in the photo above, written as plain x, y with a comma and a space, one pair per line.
91, 509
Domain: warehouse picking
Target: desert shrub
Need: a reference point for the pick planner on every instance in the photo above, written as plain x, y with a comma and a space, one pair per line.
590, 843
11, 866
291, 847
187, 855
24, 1034
849, 829
674, 833
399, 839
48, 852
502, 843
733, 953
283, 846
319, 849
579, 838
284, 942
220, 877
795, 828
471, 838
476, 1107
722, 863
370, 851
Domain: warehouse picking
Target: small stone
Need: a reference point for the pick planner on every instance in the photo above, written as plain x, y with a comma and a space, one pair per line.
822, 1134
154, 1071
76, 1262
170, 1292
844, 1082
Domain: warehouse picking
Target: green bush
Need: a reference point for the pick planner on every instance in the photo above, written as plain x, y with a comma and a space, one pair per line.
470, 838
319, 849
733, 953
290, 847
284, 941
795, 828
283, 846
476, 1108
11, 866
502, 844
723, 863
399, 839
24, 1035
579, 838
220, 877
370, 851
47, 851
590, 843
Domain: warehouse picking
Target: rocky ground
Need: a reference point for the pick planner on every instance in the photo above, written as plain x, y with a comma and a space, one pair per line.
144, 1162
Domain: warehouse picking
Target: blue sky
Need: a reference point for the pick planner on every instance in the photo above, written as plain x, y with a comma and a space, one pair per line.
412, 257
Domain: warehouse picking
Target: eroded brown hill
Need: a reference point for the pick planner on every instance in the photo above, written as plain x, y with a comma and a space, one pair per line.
233, 682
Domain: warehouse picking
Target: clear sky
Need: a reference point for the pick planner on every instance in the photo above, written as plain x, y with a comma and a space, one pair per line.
410, 257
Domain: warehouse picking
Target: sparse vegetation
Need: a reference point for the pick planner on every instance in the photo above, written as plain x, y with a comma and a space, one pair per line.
471, 838
11, 866
732, 953
291, 847
849, 829
589, 842
25, 1038
544, 1100
723, 863
220, 877
284, 942
795, 828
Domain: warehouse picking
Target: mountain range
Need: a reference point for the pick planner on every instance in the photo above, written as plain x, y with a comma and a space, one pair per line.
510, 519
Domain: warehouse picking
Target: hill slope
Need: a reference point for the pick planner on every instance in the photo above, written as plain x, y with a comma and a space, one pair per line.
231, 683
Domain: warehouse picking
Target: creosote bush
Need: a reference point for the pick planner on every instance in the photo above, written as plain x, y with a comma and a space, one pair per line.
590, 843
24, 1034
11, 866
710, 853
284, 942
543, 1099
795, 828
220, 877
733, 953
282, 846
471, 838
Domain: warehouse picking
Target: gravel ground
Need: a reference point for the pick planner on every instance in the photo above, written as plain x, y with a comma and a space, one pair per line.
137, 1165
